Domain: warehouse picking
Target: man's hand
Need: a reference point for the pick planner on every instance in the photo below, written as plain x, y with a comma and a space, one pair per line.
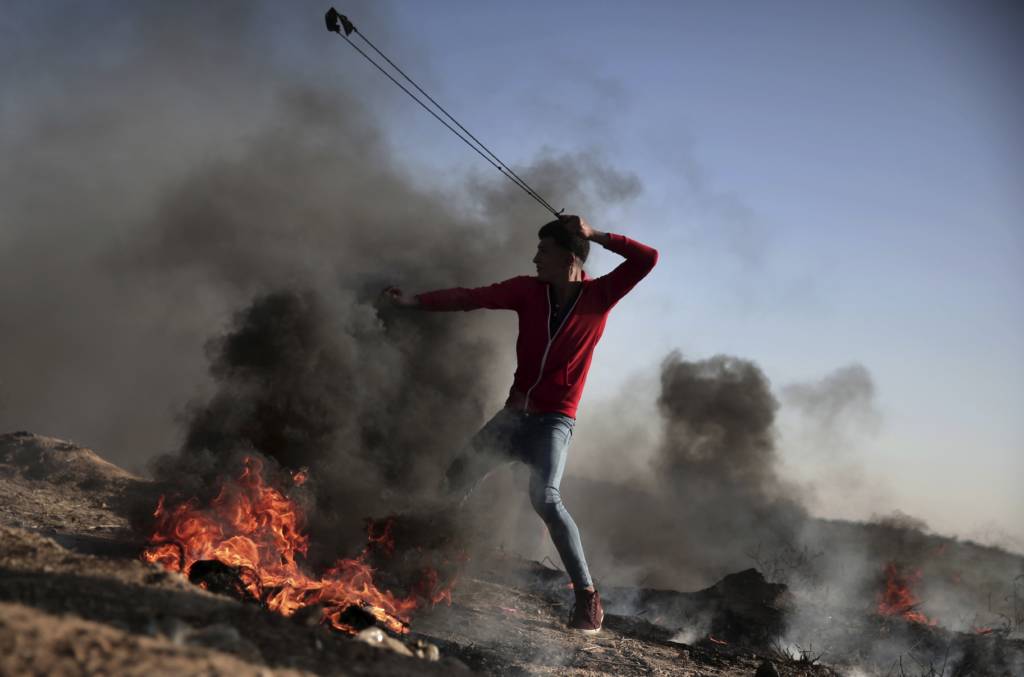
578, 226
395, 297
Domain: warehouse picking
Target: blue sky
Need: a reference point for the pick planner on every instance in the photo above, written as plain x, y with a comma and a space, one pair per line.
828, 183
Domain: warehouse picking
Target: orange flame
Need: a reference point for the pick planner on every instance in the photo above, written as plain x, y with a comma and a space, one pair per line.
257, 530
899, 599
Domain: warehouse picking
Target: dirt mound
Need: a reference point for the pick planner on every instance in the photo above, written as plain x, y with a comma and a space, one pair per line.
58, 461
51, 485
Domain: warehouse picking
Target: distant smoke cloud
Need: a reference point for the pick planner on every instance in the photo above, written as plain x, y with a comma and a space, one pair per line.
826, 421
714, 496
839, 405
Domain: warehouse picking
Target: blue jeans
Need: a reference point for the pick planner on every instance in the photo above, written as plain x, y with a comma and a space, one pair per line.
541, 441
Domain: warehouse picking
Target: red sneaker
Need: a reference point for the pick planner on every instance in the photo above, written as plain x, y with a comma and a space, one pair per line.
587, 613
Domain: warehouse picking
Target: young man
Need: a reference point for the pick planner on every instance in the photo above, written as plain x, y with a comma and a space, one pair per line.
562, 313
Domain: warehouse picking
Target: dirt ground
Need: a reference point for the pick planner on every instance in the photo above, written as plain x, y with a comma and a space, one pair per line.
75, 599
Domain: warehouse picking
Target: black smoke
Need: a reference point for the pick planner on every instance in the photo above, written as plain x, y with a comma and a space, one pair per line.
713, 501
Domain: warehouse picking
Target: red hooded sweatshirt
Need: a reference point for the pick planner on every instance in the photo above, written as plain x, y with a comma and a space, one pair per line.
552, 367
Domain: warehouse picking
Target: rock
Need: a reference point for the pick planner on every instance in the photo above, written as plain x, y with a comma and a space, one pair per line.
426, 651
421, 649
374, 636
766, 669
742, 608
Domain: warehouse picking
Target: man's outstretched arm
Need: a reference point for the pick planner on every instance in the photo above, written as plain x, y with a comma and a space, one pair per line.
501, 296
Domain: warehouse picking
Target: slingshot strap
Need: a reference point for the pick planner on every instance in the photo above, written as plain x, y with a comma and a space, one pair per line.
335, 22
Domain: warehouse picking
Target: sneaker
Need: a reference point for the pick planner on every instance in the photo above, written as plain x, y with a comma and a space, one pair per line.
587, 613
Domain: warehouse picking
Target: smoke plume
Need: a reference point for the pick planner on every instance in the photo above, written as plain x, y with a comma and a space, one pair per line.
200, 226
838, 407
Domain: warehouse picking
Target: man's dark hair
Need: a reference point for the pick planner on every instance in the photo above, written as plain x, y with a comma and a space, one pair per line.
557, 231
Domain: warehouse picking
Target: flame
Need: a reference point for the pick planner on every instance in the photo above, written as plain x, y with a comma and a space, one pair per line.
257, 530
717, 641
378, 535
899, 599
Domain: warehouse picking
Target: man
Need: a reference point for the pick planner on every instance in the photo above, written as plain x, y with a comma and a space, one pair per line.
562, 313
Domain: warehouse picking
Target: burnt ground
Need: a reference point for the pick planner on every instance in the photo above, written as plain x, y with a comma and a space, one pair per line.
75, 599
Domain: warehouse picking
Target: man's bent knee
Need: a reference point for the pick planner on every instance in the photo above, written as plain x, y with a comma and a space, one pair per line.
547, 503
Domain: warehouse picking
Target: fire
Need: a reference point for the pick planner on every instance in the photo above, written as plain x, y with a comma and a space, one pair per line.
899, 599
256, 530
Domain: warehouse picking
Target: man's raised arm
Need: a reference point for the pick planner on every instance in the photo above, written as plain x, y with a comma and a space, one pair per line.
640, 259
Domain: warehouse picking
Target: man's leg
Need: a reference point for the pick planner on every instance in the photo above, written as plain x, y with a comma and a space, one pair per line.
546, 443
486, 450
547, 447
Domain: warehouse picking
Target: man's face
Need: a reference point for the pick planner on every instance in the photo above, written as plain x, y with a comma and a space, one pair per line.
552, 261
